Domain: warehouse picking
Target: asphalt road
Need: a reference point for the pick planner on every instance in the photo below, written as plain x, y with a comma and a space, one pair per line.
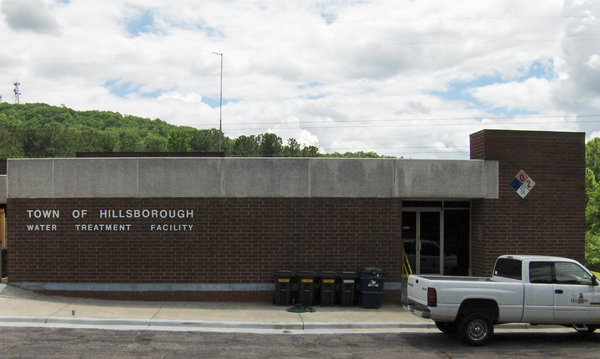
88, 343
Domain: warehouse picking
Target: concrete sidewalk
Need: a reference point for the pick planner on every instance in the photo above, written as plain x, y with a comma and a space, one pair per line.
20, 307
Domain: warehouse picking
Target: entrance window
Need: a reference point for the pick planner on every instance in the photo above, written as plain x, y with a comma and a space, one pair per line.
421, 238
436, 236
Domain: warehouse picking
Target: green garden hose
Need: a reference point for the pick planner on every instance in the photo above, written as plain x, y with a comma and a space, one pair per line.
301, 309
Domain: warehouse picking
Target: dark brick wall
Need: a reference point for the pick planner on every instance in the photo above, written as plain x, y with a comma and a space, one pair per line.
234, 240
189, 296
550, 220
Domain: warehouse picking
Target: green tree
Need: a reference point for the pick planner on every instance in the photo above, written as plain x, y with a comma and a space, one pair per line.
292, 149
310, 151
47, 141
129, 141
592, 209
11, 145
245, 146
592, 220
154, 143
205, 140
270, 145
592, 157
178, 141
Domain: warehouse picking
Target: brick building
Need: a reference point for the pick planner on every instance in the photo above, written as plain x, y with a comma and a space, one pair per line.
218, 228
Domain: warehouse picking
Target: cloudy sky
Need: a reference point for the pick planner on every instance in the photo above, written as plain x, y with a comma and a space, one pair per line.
398, 77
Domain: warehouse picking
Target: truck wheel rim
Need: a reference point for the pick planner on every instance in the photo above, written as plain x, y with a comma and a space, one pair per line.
477, 330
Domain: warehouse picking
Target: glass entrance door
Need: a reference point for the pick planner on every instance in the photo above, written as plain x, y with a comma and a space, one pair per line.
422, 240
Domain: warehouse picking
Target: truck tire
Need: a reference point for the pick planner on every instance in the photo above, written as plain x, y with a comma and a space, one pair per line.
447, 327
476, 329
591, 328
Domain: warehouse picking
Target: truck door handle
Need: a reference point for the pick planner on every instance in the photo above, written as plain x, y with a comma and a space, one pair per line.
558, 291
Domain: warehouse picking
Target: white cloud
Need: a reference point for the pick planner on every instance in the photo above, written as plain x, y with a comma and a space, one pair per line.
533, 94
594, 61
377, 75
30, 15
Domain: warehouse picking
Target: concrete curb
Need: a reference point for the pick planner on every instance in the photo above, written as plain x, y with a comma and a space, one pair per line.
225, 325
233, 325
368, 325
157, 324
98, 322
23, 320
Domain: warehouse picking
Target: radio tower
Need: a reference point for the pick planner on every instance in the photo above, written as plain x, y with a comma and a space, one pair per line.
17, 93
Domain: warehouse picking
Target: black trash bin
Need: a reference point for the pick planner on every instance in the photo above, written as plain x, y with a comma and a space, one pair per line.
348, 288
306, 288
283, 287
328, 284
4, 262
371, 286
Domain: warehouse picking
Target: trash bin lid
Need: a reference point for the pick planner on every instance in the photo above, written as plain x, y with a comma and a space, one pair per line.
306, 274
284, 274
373, 270
328, 275
349, 275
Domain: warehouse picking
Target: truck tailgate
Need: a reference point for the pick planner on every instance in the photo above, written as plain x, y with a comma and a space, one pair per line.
416, 289
417, 285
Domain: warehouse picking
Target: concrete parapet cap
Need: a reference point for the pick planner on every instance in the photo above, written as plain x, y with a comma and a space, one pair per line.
275, 177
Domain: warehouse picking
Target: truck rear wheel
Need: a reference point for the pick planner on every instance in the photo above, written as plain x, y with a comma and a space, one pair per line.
476, 329
447, 327
587, 329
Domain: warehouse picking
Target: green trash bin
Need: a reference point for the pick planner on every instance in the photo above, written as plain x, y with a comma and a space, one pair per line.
327, 290
306, 288
283, 287
348, 288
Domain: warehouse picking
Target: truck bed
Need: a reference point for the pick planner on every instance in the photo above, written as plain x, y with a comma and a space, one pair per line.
456, 278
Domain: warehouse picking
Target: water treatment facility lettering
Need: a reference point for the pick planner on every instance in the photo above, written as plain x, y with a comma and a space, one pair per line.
103, 227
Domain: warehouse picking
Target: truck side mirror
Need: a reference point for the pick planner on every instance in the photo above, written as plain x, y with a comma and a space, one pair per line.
594, 280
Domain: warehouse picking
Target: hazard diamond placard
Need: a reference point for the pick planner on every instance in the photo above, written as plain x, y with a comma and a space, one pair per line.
522, 184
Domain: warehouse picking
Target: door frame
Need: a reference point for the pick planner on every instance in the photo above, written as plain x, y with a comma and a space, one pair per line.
418, 211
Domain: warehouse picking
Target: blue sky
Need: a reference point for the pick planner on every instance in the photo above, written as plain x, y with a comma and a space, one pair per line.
141, 22
459, 91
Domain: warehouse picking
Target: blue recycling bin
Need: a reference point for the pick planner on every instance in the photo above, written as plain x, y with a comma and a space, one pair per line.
371, 286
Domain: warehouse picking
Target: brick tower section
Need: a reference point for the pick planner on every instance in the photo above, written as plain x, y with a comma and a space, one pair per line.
550, 219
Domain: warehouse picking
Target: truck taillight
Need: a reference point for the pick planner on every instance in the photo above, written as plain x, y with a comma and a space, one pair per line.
431, 297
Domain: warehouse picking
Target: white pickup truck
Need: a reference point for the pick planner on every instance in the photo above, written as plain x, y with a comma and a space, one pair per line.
522, 289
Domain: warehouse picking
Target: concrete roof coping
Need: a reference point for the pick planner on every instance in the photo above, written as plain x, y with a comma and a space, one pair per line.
250, 177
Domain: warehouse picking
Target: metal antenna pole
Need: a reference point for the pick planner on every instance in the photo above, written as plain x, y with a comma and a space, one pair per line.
17, 93
220, 101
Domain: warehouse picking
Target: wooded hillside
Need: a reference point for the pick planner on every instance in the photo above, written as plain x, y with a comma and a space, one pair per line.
40, 130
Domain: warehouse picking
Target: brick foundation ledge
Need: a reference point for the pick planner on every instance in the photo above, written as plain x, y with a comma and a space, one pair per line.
172, 292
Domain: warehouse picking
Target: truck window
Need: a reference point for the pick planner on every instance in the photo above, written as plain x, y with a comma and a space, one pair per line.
509, 268
571, 273
540, 272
